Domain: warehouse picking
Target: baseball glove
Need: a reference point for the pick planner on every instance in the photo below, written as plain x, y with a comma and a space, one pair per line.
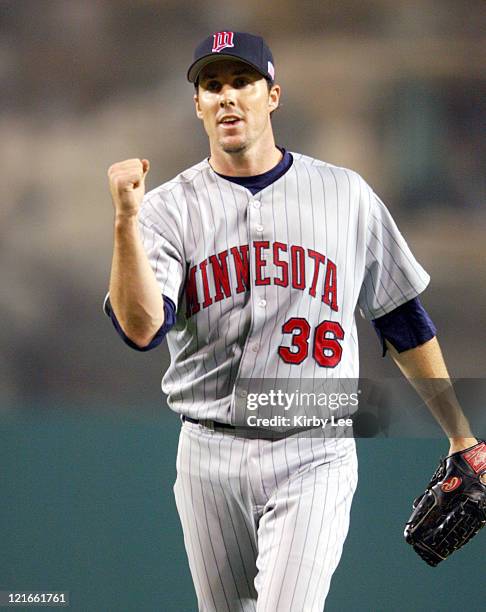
452, 509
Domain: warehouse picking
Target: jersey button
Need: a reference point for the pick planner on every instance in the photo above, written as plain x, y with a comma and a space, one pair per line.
256, 204
262, 303
259, 228
255, 348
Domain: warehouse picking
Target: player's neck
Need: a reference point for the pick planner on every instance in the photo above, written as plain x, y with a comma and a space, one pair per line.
250, 162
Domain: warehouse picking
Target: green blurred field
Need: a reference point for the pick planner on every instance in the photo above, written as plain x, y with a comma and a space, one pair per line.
87, 506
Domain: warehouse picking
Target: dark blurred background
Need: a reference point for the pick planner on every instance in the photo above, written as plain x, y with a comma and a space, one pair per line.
394, 89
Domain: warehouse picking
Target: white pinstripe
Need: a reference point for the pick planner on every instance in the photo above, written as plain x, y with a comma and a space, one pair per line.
199, 213
266, 518
264, 521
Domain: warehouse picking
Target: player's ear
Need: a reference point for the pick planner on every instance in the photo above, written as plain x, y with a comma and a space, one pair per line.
196, 104
273, 98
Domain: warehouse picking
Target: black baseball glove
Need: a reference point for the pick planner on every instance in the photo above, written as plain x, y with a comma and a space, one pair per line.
452, 509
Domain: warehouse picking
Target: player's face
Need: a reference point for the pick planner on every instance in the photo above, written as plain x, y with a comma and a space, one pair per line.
234, 103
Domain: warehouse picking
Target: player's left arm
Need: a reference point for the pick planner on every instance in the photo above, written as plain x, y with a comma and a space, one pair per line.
425, 369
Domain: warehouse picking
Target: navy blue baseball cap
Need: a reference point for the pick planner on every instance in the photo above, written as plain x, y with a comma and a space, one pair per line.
241, 46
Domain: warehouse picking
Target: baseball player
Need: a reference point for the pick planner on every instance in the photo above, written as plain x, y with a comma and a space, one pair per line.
252, 263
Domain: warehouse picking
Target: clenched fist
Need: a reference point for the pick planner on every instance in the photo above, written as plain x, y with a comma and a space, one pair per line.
127, 185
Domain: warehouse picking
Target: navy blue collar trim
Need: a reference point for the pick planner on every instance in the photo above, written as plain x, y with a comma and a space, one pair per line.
260, 181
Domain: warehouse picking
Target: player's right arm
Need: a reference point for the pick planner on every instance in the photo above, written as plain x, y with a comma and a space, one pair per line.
135, 295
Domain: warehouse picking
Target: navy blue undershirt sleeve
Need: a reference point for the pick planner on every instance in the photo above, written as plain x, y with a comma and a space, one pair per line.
169, 320
405, 327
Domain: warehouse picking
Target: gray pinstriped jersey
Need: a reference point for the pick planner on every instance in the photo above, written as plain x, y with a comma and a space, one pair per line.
266, 285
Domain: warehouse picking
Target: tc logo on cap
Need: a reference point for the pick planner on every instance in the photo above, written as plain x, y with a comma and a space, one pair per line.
221, 40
